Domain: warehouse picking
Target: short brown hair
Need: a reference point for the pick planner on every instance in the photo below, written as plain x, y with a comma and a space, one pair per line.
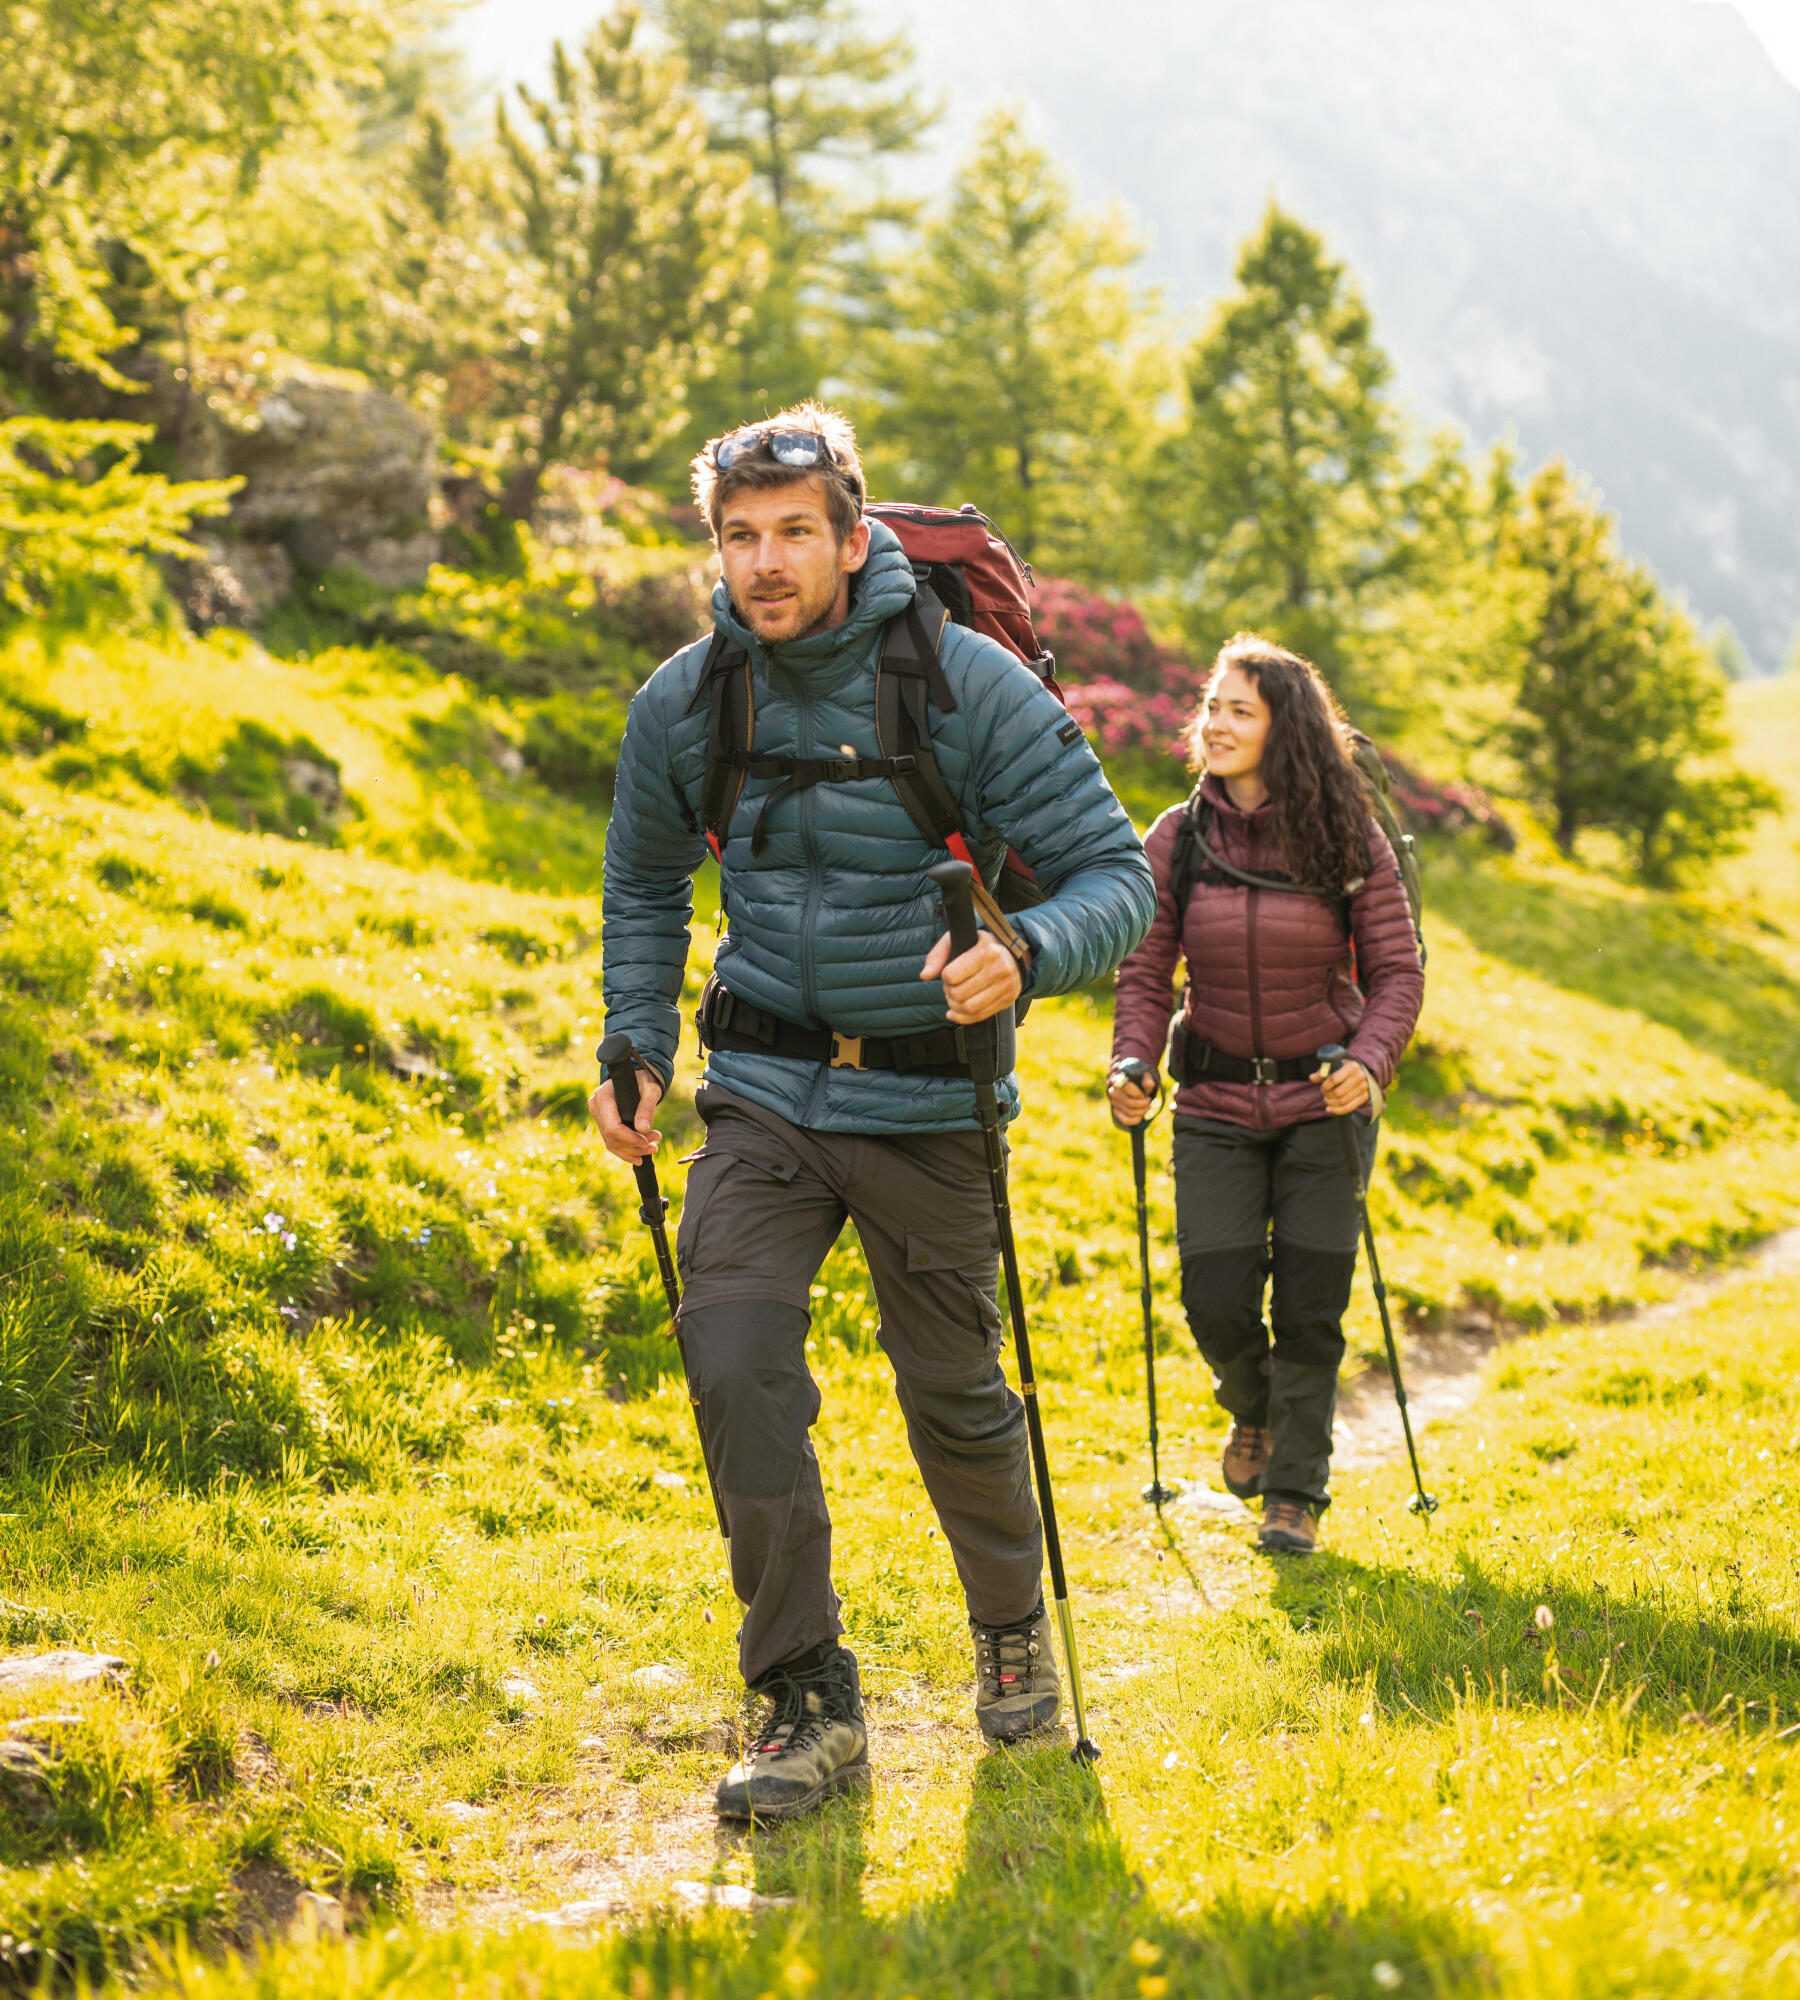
841, 474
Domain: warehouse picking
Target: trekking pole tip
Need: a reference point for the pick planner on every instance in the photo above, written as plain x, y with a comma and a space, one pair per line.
1085, 1753
1156, 1493
1423, 1504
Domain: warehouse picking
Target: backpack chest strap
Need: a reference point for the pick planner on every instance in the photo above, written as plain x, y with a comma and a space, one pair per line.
799, 774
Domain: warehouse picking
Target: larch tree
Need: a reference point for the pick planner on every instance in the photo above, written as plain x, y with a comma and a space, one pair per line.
1014, 364
1278, 496
630, 269
1621, 711
815, 106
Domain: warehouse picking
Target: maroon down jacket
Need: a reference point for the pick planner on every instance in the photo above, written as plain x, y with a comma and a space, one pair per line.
1269, 974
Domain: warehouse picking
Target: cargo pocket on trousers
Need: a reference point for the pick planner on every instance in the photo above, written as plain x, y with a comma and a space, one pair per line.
950, 1331
745, 1153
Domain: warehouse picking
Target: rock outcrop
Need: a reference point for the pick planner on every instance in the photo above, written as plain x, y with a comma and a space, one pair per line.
337, 474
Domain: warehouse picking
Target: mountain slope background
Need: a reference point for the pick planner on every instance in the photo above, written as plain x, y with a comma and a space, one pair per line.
1580, 222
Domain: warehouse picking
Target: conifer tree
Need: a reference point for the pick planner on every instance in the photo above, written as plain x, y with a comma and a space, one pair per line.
631, 268
814, 105
1621, 719
1278, 498
1013, 364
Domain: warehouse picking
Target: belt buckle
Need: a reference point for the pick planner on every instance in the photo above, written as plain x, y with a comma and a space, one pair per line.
1264, 1067
846, 1051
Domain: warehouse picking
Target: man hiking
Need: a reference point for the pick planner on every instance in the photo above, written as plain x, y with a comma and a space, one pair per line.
837, 1082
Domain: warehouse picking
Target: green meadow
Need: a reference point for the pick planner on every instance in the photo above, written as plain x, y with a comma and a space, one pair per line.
336, 1400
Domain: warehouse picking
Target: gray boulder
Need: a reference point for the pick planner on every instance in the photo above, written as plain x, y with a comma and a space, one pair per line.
336, 474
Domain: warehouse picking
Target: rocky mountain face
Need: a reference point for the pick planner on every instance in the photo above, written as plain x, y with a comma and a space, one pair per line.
1577, 219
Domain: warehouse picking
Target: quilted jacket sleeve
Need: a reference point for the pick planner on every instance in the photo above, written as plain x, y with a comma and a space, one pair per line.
653, 847
1145, 1000
1387, 964
1041, 788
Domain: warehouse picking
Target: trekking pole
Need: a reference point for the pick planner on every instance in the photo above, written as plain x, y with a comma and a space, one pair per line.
1332, 1057
618, 1057
953, 879
1131, 1070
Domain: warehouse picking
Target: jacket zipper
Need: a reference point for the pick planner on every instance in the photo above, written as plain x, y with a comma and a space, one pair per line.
1250, 908
809, 842
1260, 1097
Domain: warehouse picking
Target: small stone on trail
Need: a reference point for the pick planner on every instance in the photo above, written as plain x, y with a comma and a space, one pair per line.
316, 1916
663, 1674
1194, 1496
727, 1896
72, 1669
34, 1728
585, 1915
672, 1482
518, 1690
459, 1812
720, 1739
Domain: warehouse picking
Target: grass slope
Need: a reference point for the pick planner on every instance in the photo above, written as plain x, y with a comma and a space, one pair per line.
333, 1396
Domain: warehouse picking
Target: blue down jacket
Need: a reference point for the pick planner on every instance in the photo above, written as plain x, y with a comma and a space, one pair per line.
829, 925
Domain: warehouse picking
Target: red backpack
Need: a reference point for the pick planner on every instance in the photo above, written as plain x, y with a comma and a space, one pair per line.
968, 574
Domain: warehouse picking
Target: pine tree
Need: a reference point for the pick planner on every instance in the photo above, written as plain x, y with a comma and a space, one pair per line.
632, 269
1279, 497
814, 106
1014, 366
1621, 719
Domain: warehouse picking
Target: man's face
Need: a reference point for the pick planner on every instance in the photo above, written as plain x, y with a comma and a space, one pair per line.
788, 574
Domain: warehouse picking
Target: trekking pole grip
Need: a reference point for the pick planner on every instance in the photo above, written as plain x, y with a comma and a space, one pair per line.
954, 880
618, 1057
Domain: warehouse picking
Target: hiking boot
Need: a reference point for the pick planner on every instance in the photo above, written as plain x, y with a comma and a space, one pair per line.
1289, 1527
1016, 1685
813, 1744
1246, 1459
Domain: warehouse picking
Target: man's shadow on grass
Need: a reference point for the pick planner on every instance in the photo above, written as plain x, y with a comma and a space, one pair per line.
1425, 1645
1046, 1901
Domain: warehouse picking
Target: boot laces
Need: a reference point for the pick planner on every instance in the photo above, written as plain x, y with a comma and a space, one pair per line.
1286, 1514
1005, 1655
1247, 1440
804, 1705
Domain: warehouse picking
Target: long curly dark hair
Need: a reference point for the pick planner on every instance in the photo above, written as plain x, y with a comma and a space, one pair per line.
1316, 796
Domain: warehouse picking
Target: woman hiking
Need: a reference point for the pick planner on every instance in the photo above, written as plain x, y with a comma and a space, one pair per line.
1316, 946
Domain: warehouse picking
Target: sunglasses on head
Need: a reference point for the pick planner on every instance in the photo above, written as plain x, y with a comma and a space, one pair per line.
799, 449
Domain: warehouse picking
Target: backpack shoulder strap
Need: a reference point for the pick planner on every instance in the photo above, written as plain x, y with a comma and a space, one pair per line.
909, 677
1182, 863
731, 728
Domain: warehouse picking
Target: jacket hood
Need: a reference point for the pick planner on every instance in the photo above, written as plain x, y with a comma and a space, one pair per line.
883, 586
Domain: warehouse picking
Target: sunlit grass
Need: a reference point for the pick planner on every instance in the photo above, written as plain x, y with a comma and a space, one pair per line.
334, 1397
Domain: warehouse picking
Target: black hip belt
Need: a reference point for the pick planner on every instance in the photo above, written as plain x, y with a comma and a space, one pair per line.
727, 1022
1193, 1061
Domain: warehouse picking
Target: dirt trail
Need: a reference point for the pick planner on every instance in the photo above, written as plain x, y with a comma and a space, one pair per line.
1443, 1370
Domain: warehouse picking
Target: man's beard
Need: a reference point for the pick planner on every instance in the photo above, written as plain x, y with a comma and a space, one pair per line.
815, 617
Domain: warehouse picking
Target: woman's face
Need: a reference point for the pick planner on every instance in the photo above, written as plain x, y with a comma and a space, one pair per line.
1235, 725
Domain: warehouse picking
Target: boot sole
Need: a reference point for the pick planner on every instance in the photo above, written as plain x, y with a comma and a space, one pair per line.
849, 1777
1286, 1545
1247, 1490
1001, 1733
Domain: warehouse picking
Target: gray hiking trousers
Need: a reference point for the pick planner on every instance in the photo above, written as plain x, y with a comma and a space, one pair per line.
765, 1202
1251, 1205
